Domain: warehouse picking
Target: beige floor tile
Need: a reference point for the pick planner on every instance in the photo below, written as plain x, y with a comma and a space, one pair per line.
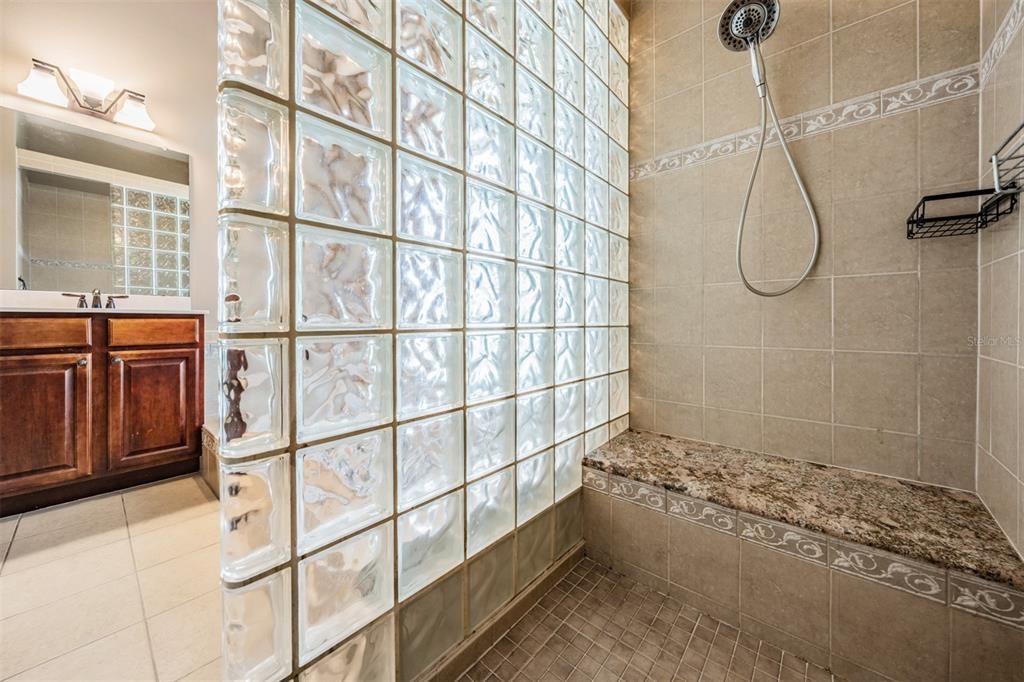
34, 637
7, 526
171, 542
186, 637
26, 590
159, 506
174, 582
70, 514
211, 672
123, 655
42, 548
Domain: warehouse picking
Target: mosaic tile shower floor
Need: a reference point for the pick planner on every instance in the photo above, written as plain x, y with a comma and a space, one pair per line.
596, 624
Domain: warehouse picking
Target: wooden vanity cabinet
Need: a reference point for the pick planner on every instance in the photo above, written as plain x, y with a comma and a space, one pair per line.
96, 402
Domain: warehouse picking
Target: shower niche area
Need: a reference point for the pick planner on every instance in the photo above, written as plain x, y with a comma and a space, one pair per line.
424, 319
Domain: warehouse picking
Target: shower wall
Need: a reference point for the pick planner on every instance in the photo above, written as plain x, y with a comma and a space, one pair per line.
870, 364
1001, 364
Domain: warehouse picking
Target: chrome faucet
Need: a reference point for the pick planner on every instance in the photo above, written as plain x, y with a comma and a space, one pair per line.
97, 299
111, 297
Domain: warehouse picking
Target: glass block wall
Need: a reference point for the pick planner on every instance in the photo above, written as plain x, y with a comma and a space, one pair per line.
423, 247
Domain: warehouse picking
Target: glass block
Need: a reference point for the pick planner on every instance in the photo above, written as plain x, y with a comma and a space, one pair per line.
596, 356
490, 437
595, 99
430, 543
618, 303
618, 394
568, 298
489, 286
429, 458
489, 74
596, 249
256, 632
535, 422
429, 34
344, 384
618, 76
595, 438
343, 588
369, 655
430, 116
568, 355
595, 144
343, 178
595, 48
535, 165
490, 510
536, 232
568, 467
536, 296
343, 486
617, 426
543, 8
618, 121
597, 301
490, 220
534, 106
429, 373
535, 359
618, 212
489, 146
252, 153
618, 349
618, 29
343, 280
598, 10
568, 243
568, 130
429, 287
569, 74
490, 365
253, 44
344, 76
596, 200
535, 486
596, 401
534, 45
568, 186
493, 17
255, 509
253, 246
429, 202
253, 397
568, 411
569, 24
618, 167
369, 16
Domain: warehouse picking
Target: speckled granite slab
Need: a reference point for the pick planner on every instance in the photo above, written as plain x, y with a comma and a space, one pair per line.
945, 527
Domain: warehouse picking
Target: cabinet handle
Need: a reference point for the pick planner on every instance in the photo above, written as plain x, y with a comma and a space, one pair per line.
116, 361
82, 362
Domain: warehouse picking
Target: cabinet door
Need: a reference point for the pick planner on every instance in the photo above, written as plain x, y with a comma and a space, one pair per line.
153, 397
45, 420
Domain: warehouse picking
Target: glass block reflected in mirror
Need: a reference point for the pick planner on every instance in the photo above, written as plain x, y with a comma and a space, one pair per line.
618, 258
429, 287
568, 411
569, 24
490, 219
595, 49
534, 45
534, 105
568, 355
490, 365
429, 116
253, 44
569, 246
493, 17
535, 165
429, 202
253, 397
489, 146
618, 76
618, 121
618, 303
568, 186
596, 200
430, 34
343, 588
252, 153
490, 437
490, 510
489, 74
253, 274
343, 280
595, 144
595, 99
343, 75
568, 467
618, 349
256, 636
596, 401
618, 29
342, 178
568, 130
430, 542
618, 212
596, 352
342, 486
489, 283
536, 232
618, 167
597, 301
369, 655
254, 517
568, 75
596, 249
535, 422
536, 296
618, 394
429, 373
568, 298
535, 486
429, 458
369, 16
344, 384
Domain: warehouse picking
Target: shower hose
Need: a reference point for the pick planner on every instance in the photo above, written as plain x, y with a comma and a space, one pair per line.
768, 107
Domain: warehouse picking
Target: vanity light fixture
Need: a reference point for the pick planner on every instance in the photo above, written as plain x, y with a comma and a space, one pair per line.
86, 92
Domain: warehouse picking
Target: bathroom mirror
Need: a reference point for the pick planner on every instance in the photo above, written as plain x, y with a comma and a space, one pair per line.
83, 210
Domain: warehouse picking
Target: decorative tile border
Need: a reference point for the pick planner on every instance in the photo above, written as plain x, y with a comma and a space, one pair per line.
888, 569
73, 264
595, 479
785, 538
640, 493
704, 513
1002, 40
986, 599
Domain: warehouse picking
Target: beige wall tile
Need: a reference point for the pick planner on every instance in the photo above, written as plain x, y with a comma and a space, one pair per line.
641, 315
788, 243
876, 158
785, 592
984, 649
844, 13
801, 22
947, 462
678, 121
640, 537
1008, 91
641, 133
641, 27
705, 561
876, 390
948, 397
882, 452
641, 261
678, 316
796, 650
641, 208
685, 421
641, 412
949, 35
642, 369
984, 402
732, 316
724, 179
797, 439
717, 59
949, 311
734, 429
1005, 309
732, 378
878, 312
1005, 414
813, 158
641, 78
730, 104
679, 375
677, 254
875, 53
677, 63
597, 525
799, 77
123, 655
871, 235
801, 318
949, 142
675, 16
720, 250
798, 383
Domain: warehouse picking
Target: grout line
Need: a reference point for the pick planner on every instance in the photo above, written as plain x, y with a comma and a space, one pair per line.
142, 605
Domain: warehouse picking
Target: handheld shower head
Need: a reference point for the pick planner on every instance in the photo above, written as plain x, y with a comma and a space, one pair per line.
747, 21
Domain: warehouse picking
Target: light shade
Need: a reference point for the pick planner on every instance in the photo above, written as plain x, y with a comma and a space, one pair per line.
132, 112
95, 90
43, 84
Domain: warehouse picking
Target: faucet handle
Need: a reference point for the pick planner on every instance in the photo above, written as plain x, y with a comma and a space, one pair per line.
111, 297
80, 297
